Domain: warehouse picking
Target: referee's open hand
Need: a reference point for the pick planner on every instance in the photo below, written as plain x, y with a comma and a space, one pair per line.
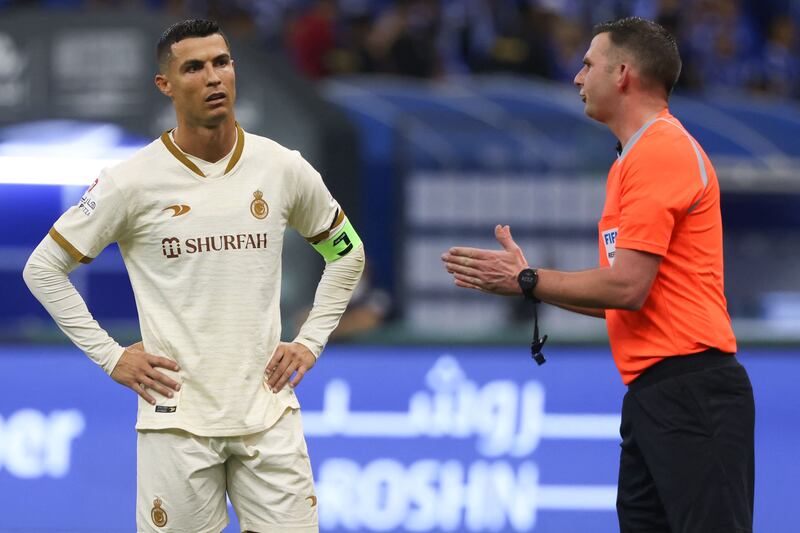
136, 369
289, 358
493, 271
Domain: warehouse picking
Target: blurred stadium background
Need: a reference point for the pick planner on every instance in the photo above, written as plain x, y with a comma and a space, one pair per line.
431, 121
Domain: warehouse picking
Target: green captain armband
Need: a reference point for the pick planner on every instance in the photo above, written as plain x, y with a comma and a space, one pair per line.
339, 244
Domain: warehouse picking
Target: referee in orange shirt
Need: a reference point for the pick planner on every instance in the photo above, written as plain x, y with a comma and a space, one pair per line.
688, 417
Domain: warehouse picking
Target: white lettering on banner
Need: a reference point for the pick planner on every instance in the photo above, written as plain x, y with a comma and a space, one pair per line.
449, 496
34, 445
506, 417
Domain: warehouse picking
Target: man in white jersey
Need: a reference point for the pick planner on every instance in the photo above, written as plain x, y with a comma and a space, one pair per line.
199, 216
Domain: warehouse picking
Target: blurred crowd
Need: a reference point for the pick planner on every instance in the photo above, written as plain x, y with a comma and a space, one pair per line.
738, 44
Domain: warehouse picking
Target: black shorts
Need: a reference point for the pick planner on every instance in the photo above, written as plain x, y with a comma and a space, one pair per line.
687, 448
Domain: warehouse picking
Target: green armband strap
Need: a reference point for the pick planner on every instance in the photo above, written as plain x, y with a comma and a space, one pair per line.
339, 244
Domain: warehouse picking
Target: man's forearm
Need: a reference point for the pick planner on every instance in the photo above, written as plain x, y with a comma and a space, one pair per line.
46, 276
334, 291
599, 288
625, 285
588, 311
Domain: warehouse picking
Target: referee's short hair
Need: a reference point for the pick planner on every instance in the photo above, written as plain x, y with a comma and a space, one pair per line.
183, 30
653, 48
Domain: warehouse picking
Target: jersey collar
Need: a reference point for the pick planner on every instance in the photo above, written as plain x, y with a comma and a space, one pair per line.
180, 156
622, 151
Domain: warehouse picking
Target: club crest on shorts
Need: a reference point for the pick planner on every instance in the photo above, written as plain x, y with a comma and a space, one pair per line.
258, 207
157, 514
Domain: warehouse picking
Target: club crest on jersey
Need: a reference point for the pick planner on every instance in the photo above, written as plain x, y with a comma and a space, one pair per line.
258, 207
157, 514
88, 202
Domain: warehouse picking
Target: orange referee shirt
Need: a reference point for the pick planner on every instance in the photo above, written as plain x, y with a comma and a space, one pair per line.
662, 197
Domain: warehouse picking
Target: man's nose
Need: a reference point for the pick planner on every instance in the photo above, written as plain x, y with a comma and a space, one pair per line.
211, 76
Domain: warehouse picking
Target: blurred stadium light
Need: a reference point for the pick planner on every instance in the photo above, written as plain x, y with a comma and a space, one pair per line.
61, 152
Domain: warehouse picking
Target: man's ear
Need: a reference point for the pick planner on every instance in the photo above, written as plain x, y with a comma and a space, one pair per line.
163, 85
623, 75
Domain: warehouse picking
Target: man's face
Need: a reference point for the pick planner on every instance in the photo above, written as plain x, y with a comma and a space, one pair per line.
597, 79
200, 80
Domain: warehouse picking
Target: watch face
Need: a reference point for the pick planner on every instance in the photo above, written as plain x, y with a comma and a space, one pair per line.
527, 282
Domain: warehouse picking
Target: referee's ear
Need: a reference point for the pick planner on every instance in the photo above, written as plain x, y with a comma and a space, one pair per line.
624, 72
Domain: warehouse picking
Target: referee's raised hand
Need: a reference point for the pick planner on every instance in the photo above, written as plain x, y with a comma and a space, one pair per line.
136, 369
492, 271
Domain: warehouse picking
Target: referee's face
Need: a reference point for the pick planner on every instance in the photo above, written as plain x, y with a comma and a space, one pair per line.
596, 79
201, 80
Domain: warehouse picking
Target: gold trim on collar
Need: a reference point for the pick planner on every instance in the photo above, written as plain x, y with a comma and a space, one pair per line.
237, 152
180, 156
67, 246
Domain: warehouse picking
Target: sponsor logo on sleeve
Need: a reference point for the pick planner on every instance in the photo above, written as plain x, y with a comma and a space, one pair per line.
610, 243
88, 202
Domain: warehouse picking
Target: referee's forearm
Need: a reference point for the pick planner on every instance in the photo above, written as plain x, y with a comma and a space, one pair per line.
588, 311
624, 285
599, 289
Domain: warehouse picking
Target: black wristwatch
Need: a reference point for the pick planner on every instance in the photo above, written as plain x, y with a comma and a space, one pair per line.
527, 279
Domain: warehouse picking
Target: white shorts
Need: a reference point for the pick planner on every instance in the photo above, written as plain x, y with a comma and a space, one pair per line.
183, 478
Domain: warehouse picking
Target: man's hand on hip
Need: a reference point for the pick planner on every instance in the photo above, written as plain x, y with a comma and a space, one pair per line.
289, 358
136, 369
493, 271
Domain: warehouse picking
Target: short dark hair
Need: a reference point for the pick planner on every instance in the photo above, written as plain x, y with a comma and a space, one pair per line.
653, 48
182, 30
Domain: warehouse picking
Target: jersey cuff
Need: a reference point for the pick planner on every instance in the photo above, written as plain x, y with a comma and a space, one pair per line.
67, 246
313, 347
111, 362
